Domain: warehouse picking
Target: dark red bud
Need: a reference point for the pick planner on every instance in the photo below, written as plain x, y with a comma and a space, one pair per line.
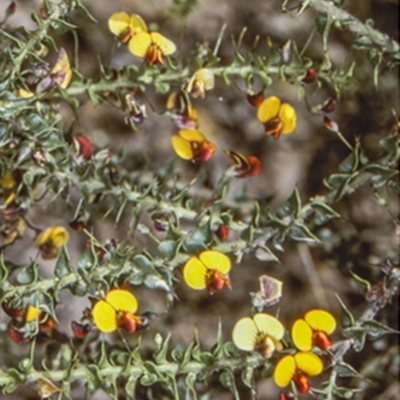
310, 77
83, 146
12, 312
18, 336
255, 99
80, 330
329, 106
222, 232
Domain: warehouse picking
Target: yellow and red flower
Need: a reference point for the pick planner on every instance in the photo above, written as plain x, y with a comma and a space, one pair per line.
152, 46
61, 74
126, 26
117, 310
297, 368
277, 117
185, 115
201, 81
207, 271
50, 240
313, 330
261, 333
190, 144
245, 166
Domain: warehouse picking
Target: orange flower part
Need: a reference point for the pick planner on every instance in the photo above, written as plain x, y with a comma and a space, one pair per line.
277, 117
190, 144
297, 368
126, 26
116, 311
61, 74
313, 330
152, 46
245, 166
261, 333
207, 271
50, 240
201, 81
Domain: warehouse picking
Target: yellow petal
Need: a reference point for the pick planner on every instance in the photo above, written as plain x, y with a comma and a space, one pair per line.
192, 135
43, 237
269, 109
182, 147
321, 320
59, 235
62, 62
33, 314
119, 22
194, 274
8, 180
122, 300
309, 363
244, 334
104, 316
284, 371
239, 159
137, 24
206, 76
215, 260
139, 44
269, 325
302, 335
166, 46
25, 94
287, 115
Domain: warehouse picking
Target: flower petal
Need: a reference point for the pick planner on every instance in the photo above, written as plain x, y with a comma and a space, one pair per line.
118, 23
269, 325
302, 335
269, 109
287, 115
59, 236
321, 320
104, 316
122, 300
193, 135
33, 314
166, 46
244, 334
215, 260
284, 371
182, 147
309, 363
137, 24
194, 274
139, 44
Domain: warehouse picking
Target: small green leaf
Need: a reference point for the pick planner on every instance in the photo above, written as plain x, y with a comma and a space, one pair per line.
346, 370
375, 330
160, 356
168, 248
228, 380
346, 317
62, 267
28, 275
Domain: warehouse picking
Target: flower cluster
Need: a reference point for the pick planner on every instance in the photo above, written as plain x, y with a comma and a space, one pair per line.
132, 30
263, 333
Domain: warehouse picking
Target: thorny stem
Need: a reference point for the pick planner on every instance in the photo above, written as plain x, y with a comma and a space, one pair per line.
354, 25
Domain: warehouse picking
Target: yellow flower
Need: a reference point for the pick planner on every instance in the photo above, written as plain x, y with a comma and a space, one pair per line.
50, 240
125, 26
152, 46
190, 144
207, 271
61, 74
297, 368
201, 81
277, 117
116, 311
313, 329
262, 333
